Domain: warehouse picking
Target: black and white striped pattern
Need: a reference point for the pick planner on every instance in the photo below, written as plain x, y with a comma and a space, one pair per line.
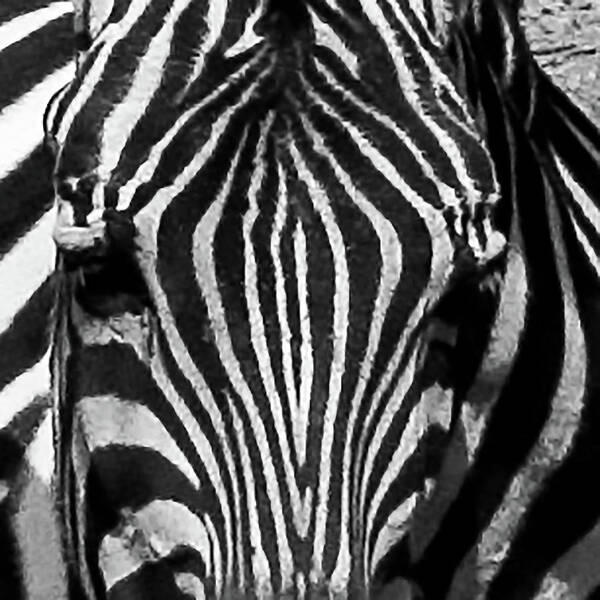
185, 389
523, 521
35, 61
276, 196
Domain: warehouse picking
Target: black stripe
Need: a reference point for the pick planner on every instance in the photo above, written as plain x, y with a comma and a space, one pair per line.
531, 383
10, 568
25, 195
115, 370
29, 61
568, 491
156, 581
23, 344
9, 9
423, 462
23, 426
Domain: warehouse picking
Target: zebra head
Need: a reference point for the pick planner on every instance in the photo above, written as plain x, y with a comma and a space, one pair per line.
287, 189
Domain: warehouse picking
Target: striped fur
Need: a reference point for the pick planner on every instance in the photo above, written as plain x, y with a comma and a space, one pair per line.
257, 220
35, 61
523, 519
539, 353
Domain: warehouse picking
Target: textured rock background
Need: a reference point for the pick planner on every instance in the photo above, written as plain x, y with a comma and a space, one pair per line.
565, 37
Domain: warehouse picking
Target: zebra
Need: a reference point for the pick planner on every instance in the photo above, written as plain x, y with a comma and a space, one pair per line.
430, 563
525, 516
259, 208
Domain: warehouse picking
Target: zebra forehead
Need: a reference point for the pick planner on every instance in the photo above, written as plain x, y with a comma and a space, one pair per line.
157, 70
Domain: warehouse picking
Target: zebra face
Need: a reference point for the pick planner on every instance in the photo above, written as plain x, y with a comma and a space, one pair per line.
293, 186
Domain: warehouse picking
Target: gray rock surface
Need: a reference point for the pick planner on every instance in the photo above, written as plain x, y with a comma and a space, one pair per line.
565, 37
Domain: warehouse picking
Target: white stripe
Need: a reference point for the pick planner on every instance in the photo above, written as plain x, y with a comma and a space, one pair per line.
217, 557
52, 109
20, 27
581, 197
190, 585
36, 524
148, 535
215, 21
18, 141
341, 309
585, 244
23, 390
392, 530
505, 336
25, 268
248, 39
40, 452
325, 36
306, 351
576, 570
281, 300
418, 9
98, 13
107, 421
510, 56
